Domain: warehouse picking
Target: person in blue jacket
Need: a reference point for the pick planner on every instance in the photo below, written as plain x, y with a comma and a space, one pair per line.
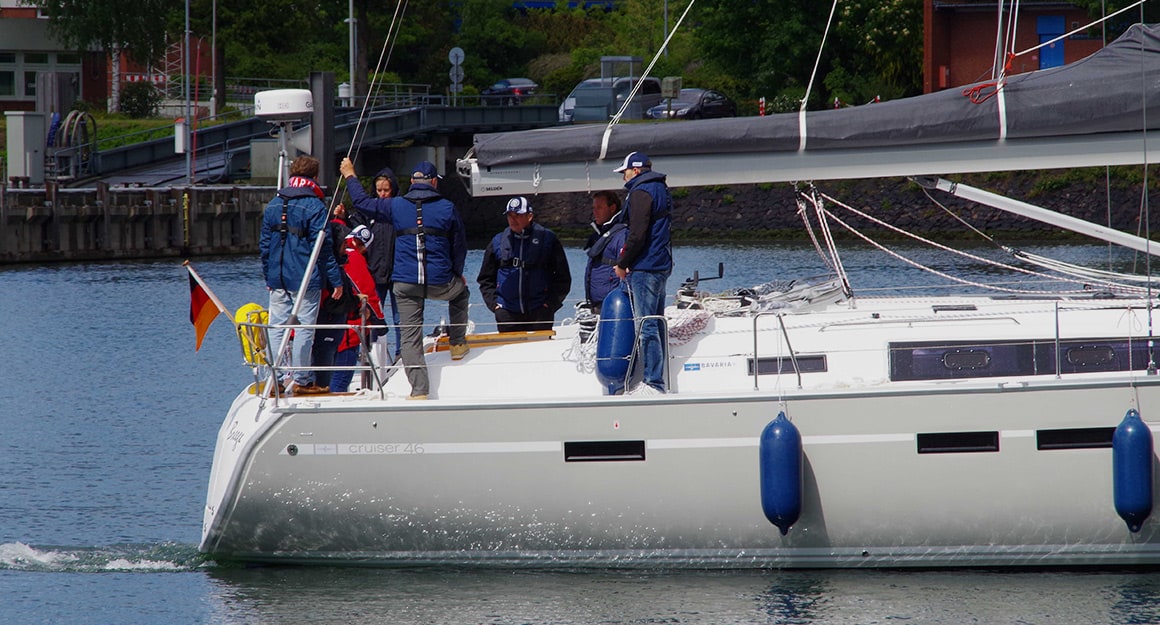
647, 258
603, 248
430, 250
291, 224
524, 276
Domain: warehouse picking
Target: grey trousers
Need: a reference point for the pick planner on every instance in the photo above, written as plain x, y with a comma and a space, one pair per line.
410, 298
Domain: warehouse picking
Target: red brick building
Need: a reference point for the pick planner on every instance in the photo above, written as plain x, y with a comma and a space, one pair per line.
959, 39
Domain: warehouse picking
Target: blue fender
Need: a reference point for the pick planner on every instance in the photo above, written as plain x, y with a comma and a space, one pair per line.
781, 473
1132, 470
615, 340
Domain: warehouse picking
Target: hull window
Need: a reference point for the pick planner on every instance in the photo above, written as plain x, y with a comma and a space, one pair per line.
956, 360
774, 366
1074, 438
958, 442
603, 451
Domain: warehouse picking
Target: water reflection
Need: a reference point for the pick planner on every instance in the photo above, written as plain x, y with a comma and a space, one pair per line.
500, 597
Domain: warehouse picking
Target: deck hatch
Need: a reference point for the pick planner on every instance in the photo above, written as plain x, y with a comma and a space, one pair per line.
603, 451
957, 442
1074, 438
774, 365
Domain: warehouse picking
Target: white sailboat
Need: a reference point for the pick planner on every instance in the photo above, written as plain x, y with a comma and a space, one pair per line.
805, 425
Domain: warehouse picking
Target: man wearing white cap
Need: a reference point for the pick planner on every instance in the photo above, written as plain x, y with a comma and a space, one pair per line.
524, 276
647, 259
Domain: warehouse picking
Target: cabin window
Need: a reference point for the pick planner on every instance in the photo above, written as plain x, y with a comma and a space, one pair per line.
774, 365
958, 442
957, 360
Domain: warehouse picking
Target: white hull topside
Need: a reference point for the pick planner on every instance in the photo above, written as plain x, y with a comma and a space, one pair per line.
520, 459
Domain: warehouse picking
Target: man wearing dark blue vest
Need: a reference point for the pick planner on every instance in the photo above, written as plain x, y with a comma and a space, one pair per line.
603, 249
524, 276
647, 258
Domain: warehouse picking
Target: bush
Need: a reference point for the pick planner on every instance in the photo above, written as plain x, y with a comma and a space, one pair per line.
140, 100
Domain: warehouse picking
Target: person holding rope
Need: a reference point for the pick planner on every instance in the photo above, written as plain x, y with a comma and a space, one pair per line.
291, 224
430, 251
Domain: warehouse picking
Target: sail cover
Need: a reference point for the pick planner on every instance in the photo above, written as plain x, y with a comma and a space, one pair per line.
1112, 91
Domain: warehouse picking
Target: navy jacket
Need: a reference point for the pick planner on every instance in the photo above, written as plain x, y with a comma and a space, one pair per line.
603, 249
525, 272
442, 238
286, 250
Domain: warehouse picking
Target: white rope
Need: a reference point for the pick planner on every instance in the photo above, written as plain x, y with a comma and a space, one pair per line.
631, 94
831, 245
805, 215
974, 257
813, 75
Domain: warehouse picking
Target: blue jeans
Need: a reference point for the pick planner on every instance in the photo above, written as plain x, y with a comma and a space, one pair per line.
385, 293
281, 305
647, 289
340, 381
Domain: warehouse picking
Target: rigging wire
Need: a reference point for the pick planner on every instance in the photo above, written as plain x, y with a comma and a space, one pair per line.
986, 261
1144, 200
1055, 265
802, 129
375, 85
1138, 3
631, 94
815, 198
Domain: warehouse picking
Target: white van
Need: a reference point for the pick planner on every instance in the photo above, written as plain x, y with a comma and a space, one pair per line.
598, 99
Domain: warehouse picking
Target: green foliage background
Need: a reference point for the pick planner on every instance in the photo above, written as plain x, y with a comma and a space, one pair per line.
745, 48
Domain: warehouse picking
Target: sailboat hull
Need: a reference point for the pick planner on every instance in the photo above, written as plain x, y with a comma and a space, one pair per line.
1010, 470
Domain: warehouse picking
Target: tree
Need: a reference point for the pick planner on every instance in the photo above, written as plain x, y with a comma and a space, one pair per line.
878, 47
136, 27
767, 45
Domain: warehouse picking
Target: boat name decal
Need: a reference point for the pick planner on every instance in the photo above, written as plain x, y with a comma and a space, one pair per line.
712, 364
236, 436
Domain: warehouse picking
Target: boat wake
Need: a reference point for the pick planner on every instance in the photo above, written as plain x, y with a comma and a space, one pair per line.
117, 558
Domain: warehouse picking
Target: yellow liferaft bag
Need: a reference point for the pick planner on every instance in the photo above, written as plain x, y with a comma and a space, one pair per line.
253, 338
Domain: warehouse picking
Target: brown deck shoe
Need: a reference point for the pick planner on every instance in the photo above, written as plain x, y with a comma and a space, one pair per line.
309, 389
459, 351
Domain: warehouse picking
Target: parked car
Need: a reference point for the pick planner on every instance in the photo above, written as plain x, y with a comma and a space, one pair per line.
600, 98
509, 91
695, 104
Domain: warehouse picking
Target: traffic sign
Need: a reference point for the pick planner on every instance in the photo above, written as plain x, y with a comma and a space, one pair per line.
455, 55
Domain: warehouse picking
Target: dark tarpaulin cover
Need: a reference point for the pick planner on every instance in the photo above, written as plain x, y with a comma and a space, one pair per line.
1105, 92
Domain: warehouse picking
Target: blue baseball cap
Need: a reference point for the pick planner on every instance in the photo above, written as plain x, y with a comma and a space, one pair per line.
518, 205
425, 171
634, 159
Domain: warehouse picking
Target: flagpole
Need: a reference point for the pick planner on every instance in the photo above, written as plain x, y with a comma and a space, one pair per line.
212, 297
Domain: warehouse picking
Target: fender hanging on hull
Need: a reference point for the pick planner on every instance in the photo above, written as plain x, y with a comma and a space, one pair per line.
1132, 470
615, 341
781, 473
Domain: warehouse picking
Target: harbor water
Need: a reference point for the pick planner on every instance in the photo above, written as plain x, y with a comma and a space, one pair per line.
107, 426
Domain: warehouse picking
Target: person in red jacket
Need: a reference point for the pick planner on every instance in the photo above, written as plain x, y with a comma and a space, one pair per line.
369, 312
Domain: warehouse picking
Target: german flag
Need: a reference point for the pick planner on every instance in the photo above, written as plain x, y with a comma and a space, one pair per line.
204, 308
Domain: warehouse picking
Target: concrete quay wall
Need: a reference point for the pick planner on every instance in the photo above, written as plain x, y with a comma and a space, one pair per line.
54, 224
